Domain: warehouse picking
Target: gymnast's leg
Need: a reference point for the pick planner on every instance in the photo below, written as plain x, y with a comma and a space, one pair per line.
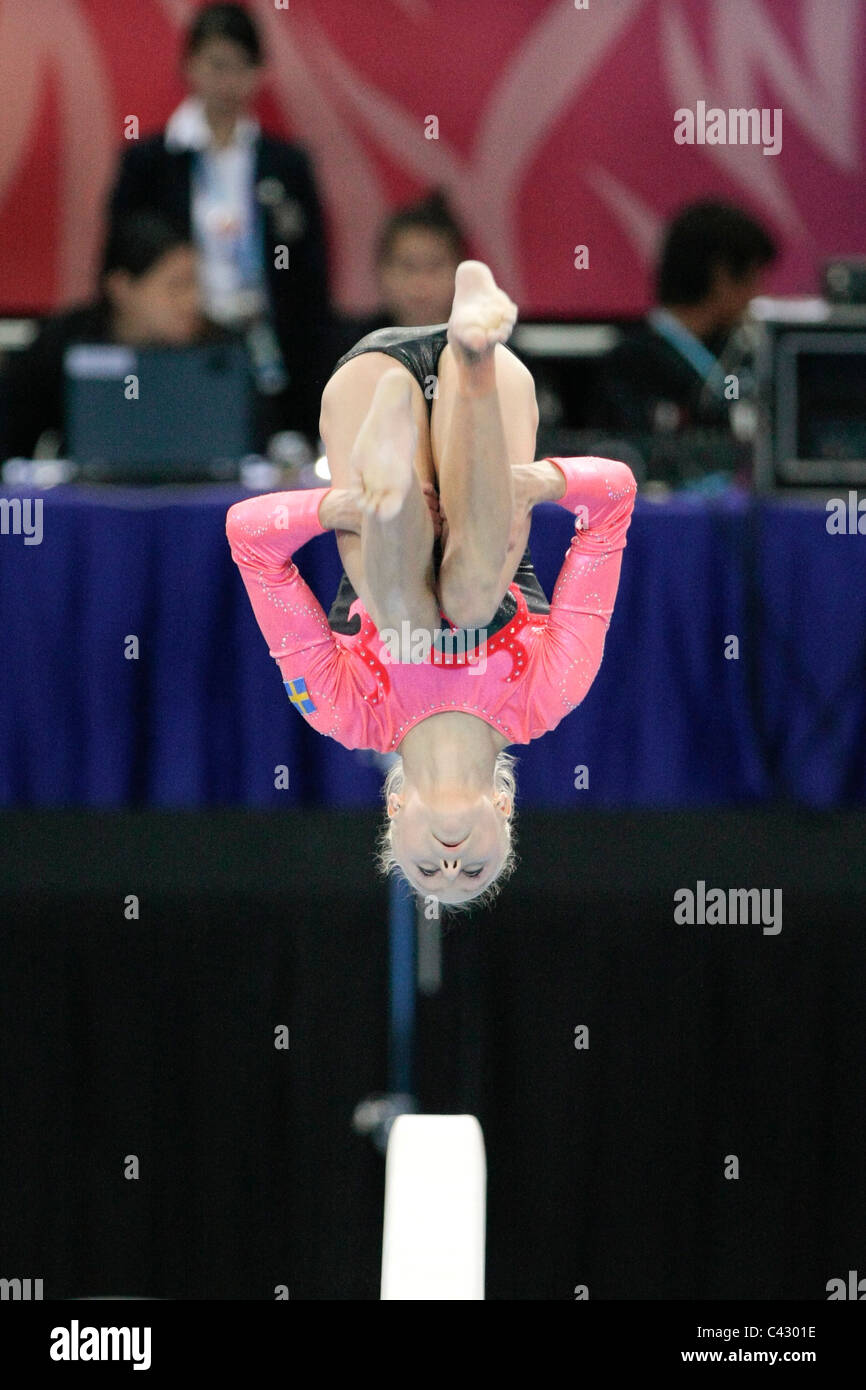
374, 426
484, 423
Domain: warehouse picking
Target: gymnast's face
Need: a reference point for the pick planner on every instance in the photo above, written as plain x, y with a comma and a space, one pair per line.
450, 846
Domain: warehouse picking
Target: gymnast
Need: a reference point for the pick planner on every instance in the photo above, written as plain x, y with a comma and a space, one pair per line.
433, 471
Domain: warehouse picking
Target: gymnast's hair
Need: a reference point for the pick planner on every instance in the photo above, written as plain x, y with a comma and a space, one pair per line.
505, 781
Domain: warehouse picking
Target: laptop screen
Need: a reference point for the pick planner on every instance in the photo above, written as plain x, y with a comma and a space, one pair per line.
174, 411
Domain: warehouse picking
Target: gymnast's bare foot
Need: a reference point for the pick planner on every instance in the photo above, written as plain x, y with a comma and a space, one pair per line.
482, 315
382, 457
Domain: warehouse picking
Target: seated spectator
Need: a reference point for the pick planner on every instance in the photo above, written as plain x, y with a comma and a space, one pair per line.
248, 200
149, 294
665, 378
417, 253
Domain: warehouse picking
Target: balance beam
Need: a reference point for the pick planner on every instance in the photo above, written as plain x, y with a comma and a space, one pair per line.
435, 1209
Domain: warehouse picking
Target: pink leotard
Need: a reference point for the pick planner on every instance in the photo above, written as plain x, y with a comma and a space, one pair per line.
538, 668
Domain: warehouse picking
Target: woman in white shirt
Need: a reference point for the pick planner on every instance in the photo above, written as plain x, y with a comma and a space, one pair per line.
248, 201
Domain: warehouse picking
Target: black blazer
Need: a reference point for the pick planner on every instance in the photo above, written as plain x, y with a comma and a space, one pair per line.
644, 370
150, 176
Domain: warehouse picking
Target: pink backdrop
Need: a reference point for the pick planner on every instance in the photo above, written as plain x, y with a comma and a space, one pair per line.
555, 128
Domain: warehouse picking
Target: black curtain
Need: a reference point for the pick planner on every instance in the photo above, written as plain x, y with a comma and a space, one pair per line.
606, 1165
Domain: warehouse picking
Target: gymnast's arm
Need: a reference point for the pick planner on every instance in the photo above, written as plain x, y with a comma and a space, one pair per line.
263, 534
600, 494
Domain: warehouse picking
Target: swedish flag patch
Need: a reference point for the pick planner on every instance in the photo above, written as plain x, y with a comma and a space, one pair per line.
299, 695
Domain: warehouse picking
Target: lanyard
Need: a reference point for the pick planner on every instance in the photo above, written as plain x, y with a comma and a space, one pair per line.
686, 344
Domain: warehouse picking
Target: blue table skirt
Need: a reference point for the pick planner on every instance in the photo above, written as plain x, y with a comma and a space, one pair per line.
201, 717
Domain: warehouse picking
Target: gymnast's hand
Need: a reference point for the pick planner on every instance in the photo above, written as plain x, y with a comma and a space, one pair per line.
440, 523
339, 510
531, 483
526, 491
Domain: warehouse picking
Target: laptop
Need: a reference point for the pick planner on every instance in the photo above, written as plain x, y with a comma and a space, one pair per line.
158, 414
